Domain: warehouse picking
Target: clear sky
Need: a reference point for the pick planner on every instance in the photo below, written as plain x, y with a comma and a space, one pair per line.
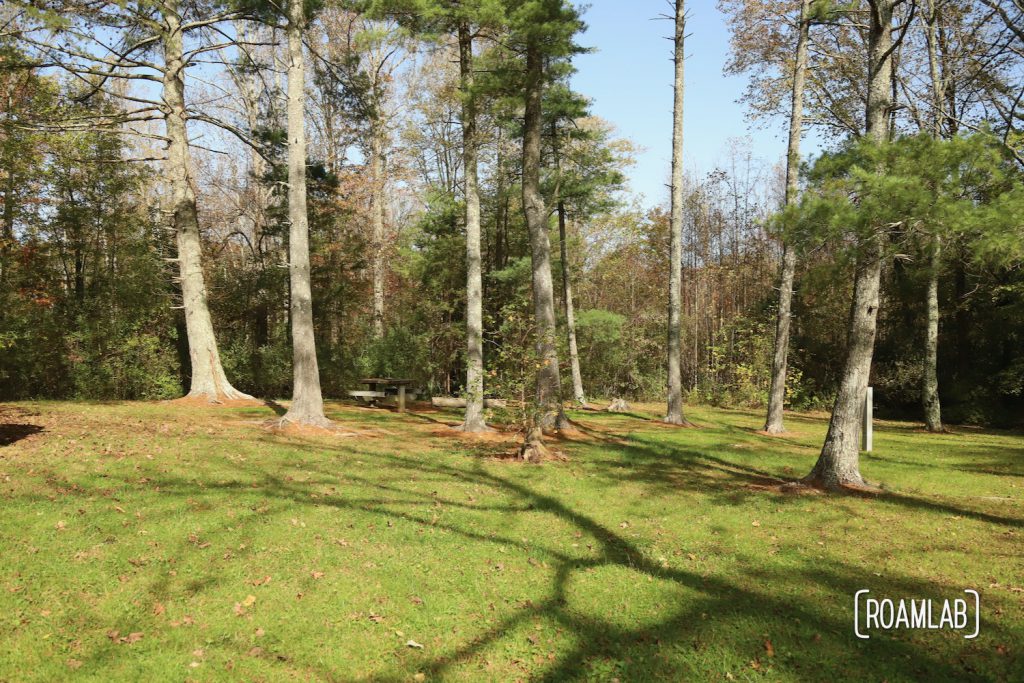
629, 79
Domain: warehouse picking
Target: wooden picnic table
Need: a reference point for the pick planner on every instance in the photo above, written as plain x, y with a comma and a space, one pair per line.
380, 385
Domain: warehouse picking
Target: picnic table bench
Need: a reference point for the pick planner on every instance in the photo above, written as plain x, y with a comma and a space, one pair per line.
379, 388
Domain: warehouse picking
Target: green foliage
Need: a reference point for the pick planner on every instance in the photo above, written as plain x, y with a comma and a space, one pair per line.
129, 364
945, 187
85, 312
399, 353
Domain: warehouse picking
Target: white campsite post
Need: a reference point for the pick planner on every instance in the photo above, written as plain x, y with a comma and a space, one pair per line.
867, 432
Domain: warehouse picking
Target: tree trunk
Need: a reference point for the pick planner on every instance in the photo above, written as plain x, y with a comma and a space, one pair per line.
777, 393
839, 462
7, 233
675, 278
307, 405
578, 396
208, 379
377, 226
474, 419
549, 414
930, 377
930, 389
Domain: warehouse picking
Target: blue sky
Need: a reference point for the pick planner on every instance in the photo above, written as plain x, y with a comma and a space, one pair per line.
629, 79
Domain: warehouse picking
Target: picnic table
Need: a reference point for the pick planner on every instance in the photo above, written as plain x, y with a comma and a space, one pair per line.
378, 388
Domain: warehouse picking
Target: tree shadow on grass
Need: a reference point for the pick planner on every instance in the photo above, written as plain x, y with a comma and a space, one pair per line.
712, 620
12, 432
707, 621
278, 409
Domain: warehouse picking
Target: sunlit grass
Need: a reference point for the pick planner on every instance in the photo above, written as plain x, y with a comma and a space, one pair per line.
163, 542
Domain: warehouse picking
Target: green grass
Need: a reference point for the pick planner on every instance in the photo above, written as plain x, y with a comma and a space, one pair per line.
650, 553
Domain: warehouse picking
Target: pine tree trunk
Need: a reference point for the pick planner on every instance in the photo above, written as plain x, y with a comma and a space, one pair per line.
930, 376
549, 414
675, 351
474, 419
839, 462
777, 394
578, 397
307, 406
208, 380
930, 389
377, 227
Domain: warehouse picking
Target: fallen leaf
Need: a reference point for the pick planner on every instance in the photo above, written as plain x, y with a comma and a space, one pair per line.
419, 677
256, 652
755, 523
260, 633
316, 574
159, 609
768, 648
414, 644
60, 526
249, 601
73, 664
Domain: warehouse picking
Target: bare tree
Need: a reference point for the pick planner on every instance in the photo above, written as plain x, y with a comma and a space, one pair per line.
777, 393
675, 278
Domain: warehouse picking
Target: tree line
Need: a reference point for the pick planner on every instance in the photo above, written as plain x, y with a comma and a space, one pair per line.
283, 197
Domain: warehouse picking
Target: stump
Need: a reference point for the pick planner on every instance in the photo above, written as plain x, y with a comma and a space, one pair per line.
533, 448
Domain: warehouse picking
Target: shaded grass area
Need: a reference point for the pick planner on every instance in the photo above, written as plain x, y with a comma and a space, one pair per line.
166, 542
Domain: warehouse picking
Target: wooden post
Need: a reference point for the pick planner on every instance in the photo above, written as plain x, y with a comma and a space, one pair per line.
867, 432
401, 398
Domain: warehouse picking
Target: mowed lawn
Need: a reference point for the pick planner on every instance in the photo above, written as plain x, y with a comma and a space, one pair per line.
156, 541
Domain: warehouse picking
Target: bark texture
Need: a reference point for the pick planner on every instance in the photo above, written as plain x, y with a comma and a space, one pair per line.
675, 278
474, 418
930, 387
549, 414
377, 227
839, 462
307, 405
208, 380
578, 395
774, 423
930, 372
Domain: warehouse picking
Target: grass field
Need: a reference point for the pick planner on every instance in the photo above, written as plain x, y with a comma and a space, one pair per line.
169, 542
